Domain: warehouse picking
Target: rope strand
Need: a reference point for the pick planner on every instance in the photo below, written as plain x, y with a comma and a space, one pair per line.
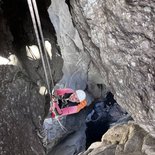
38, 40
42, 39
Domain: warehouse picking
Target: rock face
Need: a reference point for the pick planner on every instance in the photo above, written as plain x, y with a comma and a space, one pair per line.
105, 44
21, 80
75, 60
19, 115
20, 102
127, 139
119, 38
66, 132
73, 144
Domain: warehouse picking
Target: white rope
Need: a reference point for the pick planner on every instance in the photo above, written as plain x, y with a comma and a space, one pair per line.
42, 39
62, 127
35, 17
31, 8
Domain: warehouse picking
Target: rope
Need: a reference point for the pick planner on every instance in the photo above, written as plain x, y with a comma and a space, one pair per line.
33, 17
42, 39
62, 127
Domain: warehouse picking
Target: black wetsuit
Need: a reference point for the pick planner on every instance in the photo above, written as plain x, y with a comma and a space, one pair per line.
66, 103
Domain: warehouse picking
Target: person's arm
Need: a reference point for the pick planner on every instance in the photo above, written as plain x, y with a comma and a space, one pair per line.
61, 92
73, 109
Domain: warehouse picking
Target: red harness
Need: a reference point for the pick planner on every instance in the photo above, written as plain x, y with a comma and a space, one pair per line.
55, 110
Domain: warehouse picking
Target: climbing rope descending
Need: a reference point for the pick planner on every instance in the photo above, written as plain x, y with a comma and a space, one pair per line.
40, 40
41, 43
62, 127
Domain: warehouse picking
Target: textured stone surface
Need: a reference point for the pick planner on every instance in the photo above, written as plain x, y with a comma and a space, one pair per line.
119, 37
21, 106
60, 133
127, 139
75, 60
18, 101
73, 144
109, 42
21, 78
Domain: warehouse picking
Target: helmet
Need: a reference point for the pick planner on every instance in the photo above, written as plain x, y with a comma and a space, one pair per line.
81, 95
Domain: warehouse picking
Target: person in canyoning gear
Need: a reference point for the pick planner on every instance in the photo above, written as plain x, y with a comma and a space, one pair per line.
67, 101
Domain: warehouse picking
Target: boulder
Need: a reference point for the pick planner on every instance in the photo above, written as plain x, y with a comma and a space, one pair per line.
126, 139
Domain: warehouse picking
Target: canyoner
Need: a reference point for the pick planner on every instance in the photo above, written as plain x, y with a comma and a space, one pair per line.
66, 101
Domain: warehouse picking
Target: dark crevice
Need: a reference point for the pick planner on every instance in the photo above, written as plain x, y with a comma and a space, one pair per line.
15, 13
69, 5
18, 17
95, 131
100, 118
